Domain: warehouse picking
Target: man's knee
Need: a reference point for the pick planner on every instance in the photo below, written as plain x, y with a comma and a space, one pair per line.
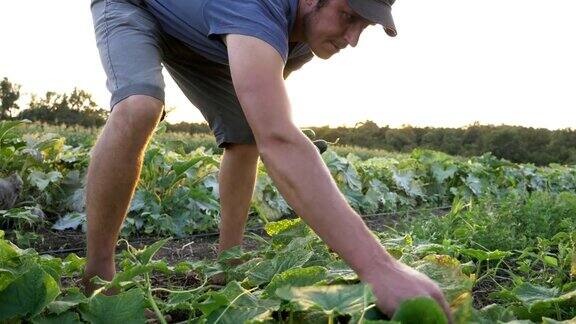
138, 112
242, 150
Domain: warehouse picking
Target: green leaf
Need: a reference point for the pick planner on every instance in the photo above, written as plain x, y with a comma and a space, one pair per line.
231, 254
235, 296
8, 252
41, 180
228, 315
181, 167
6, 277
339, 271
264, 271
213, 302
494, 313
546, 320
177, 298
73, 263
296, 277
420, 310
406, 180
64, 303
550, 261
145, 255
66, 318
474, 184
339, 299
28, 294
274, 228
238, 296
529, 294
446, 271
483, 255
70, 221
125, 308
441, 174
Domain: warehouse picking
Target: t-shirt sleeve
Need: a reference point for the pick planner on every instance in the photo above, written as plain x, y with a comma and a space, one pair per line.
263, 19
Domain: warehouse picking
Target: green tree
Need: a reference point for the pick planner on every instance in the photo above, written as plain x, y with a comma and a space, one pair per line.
9, 94
76, 108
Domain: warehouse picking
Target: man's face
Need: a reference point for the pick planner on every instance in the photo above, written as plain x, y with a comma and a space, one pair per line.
332, 27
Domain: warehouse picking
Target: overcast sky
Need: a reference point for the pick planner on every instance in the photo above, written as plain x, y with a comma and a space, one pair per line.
454, 62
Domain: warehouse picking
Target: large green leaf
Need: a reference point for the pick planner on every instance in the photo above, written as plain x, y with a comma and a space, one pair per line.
274, 228
8, 253
41, 180
474, 184
546, 320
494, 313
228, 315
237, 296
406, 180
73, 264
538, 301
64, 303
339, 299
441, 174
125, 308
446, 271
65, 318
530, 294
70, 221
234, 296
28, 294
296, 277
264, 271
181, 167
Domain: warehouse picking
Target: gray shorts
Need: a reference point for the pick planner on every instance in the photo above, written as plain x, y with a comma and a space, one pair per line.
133, 49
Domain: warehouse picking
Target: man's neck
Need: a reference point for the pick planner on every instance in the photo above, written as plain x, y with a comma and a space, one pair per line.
297, 34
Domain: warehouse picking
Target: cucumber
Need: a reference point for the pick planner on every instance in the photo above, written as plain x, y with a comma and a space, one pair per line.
420, 310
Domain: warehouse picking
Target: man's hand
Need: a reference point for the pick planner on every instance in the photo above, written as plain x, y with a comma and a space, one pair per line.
396, 282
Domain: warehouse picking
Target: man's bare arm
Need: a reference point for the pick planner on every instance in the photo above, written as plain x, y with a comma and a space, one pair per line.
298, 171
291, 159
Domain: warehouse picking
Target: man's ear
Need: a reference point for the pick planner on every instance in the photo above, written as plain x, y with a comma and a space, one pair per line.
310, 3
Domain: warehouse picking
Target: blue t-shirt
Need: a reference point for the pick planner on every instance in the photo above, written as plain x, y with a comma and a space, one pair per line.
201, 23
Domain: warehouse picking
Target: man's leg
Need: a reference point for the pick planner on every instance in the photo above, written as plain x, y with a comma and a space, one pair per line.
112, 176
237, 178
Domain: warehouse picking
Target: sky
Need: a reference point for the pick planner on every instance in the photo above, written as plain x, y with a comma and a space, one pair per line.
453, 63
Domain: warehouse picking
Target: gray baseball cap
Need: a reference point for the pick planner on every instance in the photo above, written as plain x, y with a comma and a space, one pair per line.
378, 11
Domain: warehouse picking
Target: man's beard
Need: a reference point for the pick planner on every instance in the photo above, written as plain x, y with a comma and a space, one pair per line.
307, 26
307, 23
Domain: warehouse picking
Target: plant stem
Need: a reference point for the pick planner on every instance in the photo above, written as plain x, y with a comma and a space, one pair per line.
152, 302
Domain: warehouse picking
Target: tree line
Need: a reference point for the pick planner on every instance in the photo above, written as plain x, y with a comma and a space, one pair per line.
514, 143
76, 108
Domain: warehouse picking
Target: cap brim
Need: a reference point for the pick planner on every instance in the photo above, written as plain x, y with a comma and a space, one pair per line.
375, 11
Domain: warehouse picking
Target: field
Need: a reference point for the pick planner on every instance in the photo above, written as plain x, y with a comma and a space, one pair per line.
498, 237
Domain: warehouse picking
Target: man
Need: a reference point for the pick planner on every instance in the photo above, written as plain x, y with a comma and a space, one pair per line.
230, 58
